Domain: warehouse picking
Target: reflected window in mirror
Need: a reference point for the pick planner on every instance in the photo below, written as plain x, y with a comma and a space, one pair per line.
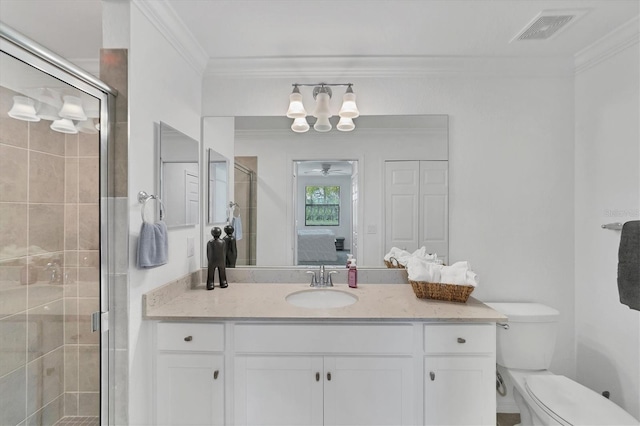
178, 170
322, 206
218, 187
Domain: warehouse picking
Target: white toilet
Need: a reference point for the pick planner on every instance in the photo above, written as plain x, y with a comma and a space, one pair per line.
525, 349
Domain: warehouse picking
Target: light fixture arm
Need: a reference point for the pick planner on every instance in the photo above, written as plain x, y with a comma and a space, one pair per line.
323, 87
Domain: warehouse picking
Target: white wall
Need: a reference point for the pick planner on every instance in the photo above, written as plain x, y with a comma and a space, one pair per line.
162, 87
607, 175
511, 172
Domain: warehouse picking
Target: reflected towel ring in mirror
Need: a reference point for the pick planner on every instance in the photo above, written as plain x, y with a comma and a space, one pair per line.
143, 197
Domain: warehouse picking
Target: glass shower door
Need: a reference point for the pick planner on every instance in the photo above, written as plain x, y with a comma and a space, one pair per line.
52, 259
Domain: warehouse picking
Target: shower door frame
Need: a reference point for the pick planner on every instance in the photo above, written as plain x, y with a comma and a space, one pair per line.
33, 54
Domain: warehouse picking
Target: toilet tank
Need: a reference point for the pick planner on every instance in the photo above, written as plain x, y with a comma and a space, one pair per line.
529, 341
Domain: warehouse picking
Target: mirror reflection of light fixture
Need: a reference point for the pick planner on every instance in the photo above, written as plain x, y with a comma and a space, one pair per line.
72, 109
68, 117
64, 125
87, 126
345, 124
322, 94
23, 109
300, 125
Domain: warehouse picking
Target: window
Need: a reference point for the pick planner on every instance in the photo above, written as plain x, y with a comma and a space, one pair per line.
322, 206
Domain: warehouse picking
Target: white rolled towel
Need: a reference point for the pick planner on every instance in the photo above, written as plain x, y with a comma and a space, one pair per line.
419, 269
401, 256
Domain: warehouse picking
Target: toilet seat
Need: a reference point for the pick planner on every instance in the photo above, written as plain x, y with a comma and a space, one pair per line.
571, 403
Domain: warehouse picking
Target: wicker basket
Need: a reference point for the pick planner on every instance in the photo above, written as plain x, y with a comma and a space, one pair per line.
440, 291
390, 263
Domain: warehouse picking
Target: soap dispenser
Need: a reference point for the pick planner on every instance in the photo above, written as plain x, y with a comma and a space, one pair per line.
352, 274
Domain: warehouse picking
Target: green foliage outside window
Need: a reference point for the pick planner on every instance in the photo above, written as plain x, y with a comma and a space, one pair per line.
322, 206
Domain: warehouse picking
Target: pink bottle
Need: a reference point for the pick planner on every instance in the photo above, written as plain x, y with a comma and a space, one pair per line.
352, 278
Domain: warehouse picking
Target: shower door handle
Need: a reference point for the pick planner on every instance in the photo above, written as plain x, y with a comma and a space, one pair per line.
99, 321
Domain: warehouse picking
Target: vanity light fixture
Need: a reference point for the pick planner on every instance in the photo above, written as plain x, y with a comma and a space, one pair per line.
322, 94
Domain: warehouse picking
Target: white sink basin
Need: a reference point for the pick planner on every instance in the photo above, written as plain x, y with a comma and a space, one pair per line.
321, 298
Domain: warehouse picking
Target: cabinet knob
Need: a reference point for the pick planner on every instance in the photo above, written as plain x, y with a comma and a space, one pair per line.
317, 377
188, 338
329, 376
215, 374
432, 375
461, 340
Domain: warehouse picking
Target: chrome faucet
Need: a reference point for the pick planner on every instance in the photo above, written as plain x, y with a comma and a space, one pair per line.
322, 279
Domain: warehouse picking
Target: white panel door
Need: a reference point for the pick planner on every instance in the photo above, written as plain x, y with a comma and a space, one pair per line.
368, 391
191, 196
401, 200
190, 389
278, 390
434, 207
456, 390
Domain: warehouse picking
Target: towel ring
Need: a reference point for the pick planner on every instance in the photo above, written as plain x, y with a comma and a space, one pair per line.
143, 197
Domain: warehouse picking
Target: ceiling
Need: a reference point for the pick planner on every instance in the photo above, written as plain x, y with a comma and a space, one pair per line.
336, 29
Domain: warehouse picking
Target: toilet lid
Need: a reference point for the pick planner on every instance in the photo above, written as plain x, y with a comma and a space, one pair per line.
574, 404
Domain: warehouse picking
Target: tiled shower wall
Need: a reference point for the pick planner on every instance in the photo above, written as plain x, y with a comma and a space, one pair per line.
49, 271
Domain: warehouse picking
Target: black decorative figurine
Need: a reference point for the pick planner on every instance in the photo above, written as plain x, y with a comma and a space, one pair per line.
216, 255
232, 249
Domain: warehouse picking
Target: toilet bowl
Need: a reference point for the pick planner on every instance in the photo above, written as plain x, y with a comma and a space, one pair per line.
525, 349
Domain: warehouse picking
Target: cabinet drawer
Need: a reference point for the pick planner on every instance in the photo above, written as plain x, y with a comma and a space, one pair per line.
459, 338
316, 338
178, 336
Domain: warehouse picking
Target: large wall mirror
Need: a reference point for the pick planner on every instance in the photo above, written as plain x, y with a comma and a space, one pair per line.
331, 189
178, 176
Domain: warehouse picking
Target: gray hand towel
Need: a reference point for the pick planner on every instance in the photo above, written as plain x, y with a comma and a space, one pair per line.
629, 265
153, 245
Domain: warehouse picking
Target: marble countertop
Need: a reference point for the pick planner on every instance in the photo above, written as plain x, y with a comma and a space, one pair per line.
266, 301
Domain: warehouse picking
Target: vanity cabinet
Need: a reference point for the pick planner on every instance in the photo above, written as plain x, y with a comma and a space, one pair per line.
189, 365
317, 390
314, 373
324, 374
459, 367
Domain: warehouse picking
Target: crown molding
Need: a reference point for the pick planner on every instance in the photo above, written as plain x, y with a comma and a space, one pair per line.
164, 18
387, 66
617, 40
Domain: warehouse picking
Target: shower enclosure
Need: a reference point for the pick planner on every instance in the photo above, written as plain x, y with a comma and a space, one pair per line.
54, 210
245, 169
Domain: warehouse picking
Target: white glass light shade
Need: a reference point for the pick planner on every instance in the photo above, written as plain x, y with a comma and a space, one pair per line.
349, 108
48, 112
87, 126
64, 125
296, 108
345, 124
322, 106
72, 109
322, 125
23, 109
300, 125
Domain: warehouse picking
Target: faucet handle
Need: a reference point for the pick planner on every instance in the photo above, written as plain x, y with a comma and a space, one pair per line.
329, 280
314, 279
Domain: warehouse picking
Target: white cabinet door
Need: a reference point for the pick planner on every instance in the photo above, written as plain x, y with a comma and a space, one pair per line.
368, 391
190, 389
459, 390
402, 184
278, 390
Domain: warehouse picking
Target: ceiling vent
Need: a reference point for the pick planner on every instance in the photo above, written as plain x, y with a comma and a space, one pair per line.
548, 24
